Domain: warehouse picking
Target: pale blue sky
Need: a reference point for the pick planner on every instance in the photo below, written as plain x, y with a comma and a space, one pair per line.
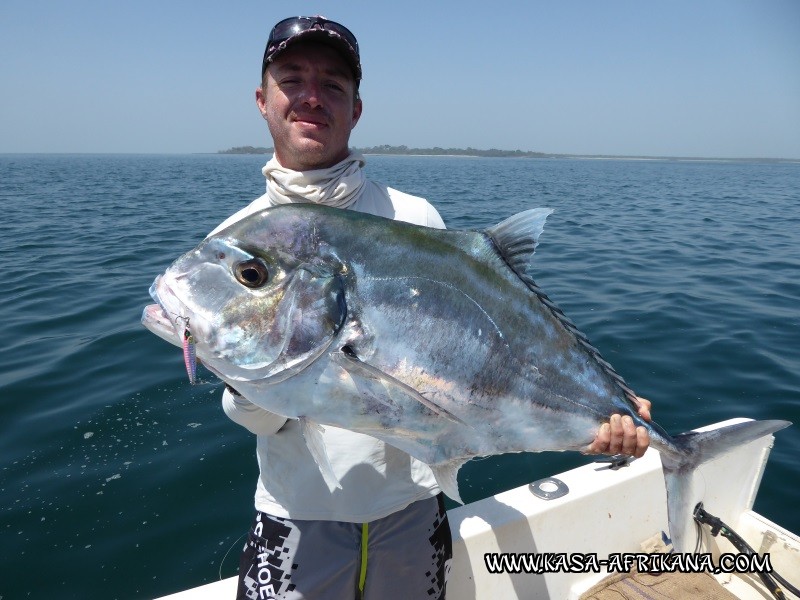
680, 78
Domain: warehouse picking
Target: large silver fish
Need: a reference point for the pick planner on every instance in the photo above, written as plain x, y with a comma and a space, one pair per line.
437, 342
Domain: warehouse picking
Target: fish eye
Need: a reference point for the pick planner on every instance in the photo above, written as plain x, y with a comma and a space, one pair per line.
251, 273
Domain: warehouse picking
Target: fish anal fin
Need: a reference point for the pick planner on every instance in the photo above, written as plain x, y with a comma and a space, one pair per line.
312, 433
446, 475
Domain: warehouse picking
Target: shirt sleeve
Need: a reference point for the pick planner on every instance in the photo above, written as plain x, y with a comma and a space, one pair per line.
253, 418
256, 205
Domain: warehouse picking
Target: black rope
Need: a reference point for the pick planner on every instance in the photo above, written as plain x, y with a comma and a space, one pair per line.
718, 526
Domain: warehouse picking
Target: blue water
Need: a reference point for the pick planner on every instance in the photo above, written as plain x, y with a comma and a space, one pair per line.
119, 480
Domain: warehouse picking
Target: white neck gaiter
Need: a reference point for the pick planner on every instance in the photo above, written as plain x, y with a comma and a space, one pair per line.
338, 186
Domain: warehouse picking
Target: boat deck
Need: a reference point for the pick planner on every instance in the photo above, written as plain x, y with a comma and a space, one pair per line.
606, 512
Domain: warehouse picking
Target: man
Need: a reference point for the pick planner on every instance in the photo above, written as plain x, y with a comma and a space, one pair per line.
384, 534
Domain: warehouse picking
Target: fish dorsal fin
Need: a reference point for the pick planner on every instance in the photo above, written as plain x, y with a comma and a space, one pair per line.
516, 237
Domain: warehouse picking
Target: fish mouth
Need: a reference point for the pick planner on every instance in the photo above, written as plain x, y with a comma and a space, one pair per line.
157, 321
169, 318
158, 318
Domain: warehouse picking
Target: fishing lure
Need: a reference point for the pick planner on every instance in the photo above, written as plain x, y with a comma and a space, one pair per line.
189, 352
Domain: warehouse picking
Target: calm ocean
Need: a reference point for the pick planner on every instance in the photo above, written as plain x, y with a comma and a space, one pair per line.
120, 480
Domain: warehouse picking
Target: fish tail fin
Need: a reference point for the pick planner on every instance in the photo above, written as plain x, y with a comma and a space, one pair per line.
687, 452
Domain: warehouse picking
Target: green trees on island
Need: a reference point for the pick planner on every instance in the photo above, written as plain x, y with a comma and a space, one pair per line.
246, 150
387, 149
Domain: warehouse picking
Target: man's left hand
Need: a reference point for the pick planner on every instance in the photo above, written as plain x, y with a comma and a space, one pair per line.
621, 436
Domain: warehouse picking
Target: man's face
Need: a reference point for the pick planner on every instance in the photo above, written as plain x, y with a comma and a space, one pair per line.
309, 103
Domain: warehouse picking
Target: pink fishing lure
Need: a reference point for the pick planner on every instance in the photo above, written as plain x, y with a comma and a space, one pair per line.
189, 354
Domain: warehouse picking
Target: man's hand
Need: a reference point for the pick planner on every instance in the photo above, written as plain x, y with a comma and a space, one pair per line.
620, 436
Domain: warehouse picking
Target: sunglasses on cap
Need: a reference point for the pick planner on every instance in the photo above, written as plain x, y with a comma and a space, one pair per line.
286, 30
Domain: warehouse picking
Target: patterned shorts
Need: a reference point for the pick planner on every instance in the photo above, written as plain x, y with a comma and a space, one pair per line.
407, 556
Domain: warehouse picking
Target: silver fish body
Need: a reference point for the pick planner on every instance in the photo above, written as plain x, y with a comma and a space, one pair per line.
437, 342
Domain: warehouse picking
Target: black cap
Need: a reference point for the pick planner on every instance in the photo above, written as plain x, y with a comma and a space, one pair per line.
317, 29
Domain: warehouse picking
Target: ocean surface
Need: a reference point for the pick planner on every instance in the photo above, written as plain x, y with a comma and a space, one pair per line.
120, 480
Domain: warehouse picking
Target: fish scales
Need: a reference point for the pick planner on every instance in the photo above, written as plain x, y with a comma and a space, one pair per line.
457, 304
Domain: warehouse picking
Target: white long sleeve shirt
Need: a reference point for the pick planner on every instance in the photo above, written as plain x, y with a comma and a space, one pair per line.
377, 479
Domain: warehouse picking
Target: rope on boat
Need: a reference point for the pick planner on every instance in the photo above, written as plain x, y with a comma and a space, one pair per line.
717, 526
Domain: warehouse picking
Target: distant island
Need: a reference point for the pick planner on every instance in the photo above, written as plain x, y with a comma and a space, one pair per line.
386, 149
436, 151
494, 152
247, 150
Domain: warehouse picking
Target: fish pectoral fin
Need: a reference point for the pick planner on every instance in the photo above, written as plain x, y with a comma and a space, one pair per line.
446, 475
312, 433
358, 369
